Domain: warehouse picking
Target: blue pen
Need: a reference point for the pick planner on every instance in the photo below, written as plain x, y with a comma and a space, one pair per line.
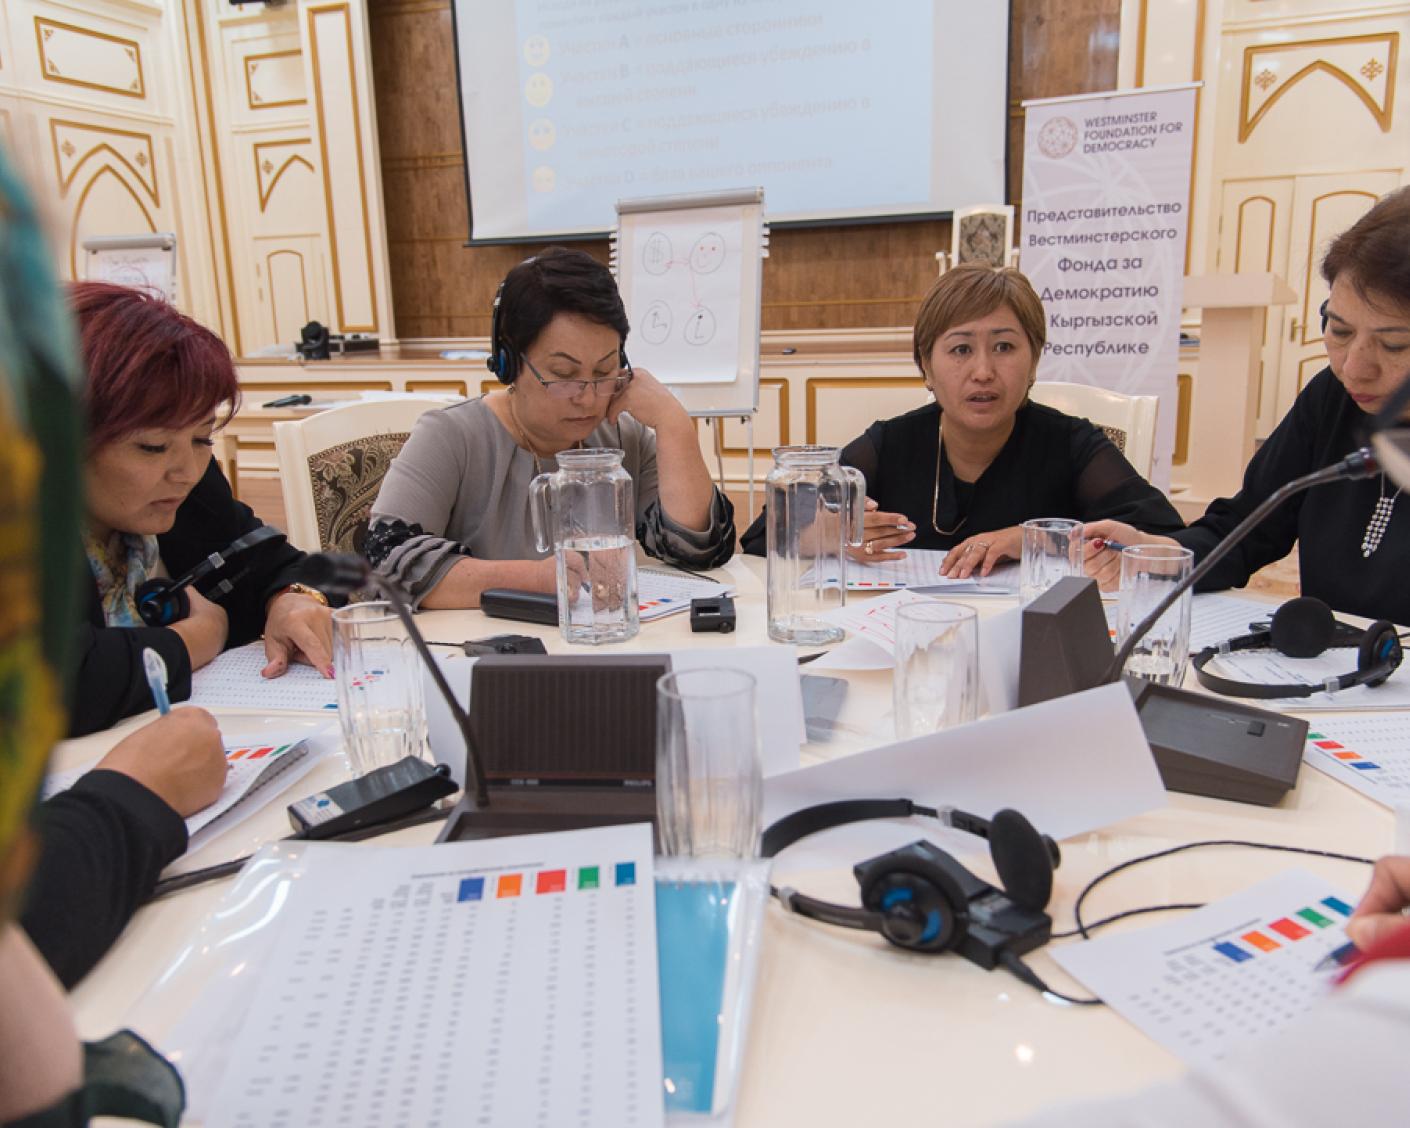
1338, 957
156, 679
1115, 546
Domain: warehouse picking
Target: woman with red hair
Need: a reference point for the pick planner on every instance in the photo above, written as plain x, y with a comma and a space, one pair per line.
158, 386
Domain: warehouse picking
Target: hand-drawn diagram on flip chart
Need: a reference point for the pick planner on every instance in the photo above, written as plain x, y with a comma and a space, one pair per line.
689, 269
695, 297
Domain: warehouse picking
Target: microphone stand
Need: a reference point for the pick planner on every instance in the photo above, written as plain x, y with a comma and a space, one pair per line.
1359, 464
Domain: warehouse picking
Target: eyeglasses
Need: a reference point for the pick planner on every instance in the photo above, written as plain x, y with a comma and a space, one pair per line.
570, 389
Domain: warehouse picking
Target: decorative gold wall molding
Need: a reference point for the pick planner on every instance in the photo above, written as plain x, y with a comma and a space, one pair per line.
268, 170
423, 162
73, 144
253, 99
781, 384
817, 383
456, 387
1184, 388
1313, 247
50, 35
269, 280
1364, 64
216, 179
108, 169
1239, 232
345, 12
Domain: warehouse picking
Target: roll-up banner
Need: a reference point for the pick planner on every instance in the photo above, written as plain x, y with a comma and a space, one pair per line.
1106, 193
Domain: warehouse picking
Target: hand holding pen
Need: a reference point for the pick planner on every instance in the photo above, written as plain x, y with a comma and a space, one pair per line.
1384, 907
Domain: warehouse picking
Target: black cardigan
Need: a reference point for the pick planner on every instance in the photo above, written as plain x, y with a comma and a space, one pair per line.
102, 845
1327, 522
111, 683
1053, 465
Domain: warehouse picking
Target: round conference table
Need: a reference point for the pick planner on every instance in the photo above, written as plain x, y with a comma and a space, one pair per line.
845, 1028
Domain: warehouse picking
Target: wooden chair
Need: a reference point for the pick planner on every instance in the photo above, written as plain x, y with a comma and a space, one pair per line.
331, 466
1128, 421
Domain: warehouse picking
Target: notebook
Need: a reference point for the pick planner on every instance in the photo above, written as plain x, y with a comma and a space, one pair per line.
253, 768
662, 592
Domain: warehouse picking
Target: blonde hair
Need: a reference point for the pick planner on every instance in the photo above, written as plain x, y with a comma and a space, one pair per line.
966, 293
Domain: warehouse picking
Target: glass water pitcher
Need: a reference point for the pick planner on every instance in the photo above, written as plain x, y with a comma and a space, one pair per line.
583, 512
815, 508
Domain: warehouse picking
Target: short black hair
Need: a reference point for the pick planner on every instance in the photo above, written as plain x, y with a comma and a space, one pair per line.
1375, 251
557, 280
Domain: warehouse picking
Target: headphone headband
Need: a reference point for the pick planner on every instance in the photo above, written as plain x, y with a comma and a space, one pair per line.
1304, 628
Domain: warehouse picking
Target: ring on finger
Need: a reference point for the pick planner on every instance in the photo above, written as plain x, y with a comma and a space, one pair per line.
869, 548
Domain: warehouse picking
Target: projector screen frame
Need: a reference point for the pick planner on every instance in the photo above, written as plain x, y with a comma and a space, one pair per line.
551, 239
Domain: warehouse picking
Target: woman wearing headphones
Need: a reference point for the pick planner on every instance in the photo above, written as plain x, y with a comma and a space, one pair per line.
158, 505
963, 473
1353, 537
452, 519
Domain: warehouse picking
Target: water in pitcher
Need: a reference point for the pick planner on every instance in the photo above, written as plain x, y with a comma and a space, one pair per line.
601, 571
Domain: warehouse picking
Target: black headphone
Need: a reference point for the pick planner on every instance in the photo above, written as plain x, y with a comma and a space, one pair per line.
921, 898
161, 602
503, 360
1303, 628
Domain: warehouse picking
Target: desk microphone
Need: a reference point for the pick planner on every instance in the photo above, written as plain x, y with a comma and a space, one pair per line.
1358, 464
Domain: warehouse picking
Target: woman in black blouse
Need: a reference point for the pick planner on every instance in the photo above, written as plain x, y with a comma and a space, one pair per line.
965, 472
1353, 537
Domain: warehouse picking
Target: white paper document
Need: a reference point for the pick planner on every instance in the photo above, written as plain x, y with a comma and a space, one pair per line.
663, 591
233, 681
509, 981
1370, 753
1224, 975
1214, 618
921, 568
1071, 765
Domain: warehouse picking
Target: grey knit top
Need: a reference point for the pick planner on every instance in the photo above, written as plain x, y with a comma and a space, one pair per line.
460, 487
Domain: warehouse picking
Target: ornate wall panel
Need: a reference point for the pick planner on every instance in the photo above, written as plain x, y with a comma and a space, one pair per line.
72, 54
338, 117
274, 79
1356, 66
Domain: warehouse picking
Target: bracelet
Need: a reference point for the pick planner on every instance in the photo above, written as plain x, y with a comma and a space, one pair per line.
301, 589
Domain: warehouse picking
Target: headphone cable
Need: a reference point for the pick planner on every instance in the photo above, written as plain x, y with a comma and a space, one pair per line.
1084, 929
1015, 964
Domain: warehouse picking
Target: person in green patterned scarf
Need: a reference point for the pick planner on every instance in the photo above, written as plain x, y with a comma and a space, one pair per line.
47, 1077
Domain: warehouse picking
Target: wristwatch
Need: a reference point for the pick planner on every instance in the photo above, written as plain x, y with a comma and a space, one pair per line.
304, 589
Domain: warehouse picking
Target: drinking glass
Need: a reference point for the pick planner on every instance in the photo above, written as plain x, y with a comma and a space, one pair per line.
377, 673
1052, 549
709, 778
936, 683
1148, 572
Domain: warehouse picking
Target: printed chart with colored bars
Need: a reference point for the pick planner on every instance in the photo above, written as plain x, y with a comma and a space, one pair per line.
1370, 752
509, 981
1224, 975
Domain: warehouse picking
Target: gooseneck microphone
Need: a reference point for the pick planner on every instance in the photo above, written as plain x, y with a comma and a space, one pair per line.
344, 573
1390, 436
1360, 463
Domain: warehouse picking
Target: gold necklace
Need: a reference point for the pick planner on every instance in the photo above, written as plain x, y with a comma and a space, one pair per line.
524, 438
935, 501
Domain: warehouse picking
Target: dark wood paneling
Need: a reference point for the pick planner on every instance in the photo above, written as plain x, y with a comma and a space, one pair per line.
860, 276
